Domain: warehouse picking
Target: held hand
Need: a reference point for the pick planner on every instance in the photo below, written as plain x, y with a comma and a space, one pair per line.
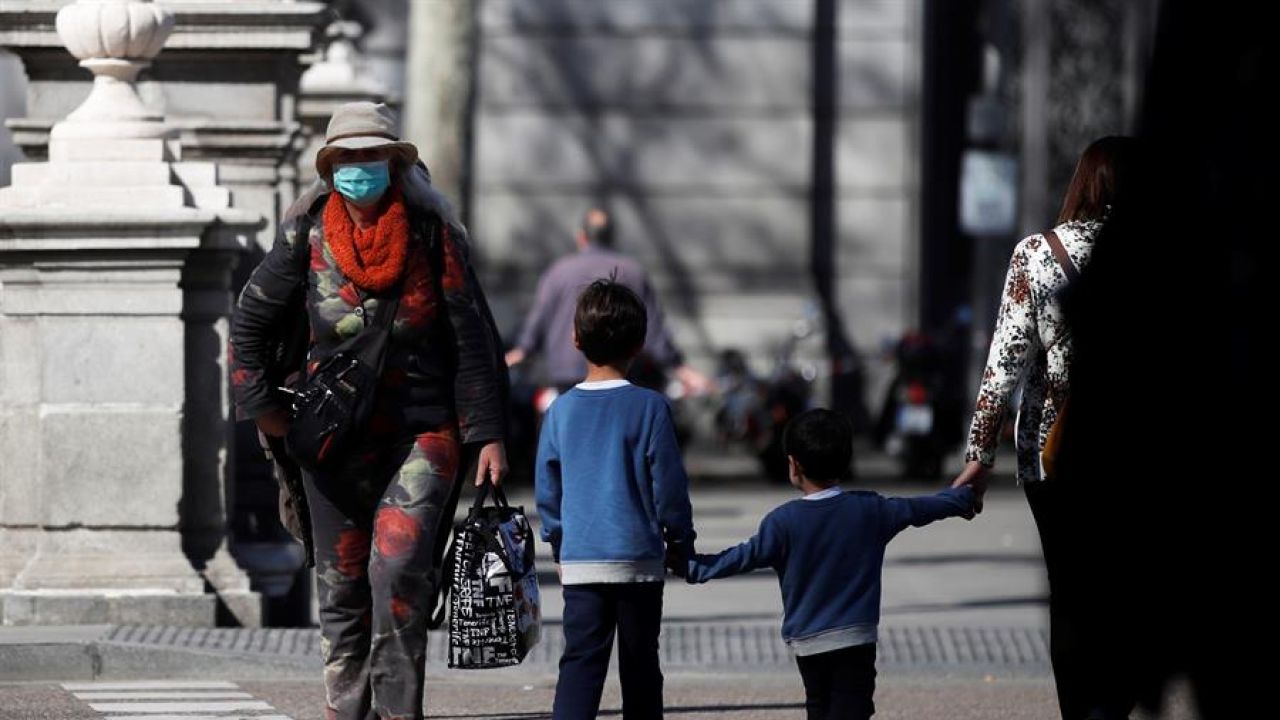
974, 476
514, 357
677, 559
492, 463
273, 422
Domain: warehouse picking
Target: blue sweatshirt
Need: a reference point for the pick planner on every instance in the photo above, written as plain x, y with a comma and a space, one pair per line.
611, 485
829, 554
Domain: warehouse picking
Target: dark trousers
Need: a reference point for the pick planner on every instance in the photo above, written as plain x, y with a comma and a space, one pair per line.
840, 685
1082, 608
592, 614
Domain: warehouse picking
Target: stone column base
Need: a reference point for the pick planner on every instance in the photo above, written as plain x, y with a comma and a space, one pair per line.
242, 606
89, 606
83, 576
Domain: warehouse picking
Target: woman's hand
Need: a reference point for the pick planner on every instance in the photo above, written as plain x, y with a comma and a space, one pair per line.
974, 475
492, 463
273, 422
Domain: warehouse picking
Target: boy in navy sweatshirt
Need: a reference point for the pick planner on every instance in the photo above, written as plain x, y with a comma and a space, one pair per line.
614, 500
828, 549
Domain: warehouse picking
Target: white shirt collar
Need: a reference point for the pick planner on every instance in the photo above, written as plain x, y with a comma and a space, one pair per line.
824, 494
603, 384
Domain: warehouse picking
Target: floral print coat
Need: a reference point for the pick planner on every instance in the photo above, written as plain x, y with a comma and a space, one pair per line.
1030, 343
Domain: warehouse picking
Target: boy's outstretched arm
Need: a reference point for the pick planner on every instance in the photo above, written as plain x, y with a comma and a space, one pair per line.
764, 549
670, 484
900, 513
547, 487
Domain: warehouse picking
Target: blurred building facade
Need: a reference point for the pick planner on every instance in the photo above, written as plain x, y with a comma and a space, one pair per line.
693, 121
1013, 91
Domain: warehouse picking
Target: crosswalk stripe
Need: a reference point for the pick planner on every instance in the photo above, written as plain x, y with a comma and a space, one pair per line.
171, 695
178, 707
172, 700
153, 685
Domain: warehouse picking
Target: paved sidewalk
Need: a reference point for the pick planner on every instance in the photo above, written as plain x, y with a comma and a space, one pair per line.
960, 597
125, 652
482, 696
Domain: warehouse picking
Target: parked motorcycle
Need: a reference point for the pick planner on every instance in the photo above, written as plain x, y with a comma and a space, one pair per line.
754, 411
920, 420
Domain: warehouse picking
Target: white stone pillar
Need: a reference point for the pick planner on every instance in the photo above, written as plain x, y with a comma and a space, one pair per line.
114, 270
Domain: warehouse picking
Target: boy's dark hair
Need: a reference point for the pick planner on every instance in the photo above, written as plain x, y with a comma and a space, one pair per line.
821, 441
610, 322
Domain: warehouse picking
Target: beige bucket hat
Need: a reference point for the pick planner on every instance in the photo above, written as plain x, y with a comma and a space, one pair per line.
358, 126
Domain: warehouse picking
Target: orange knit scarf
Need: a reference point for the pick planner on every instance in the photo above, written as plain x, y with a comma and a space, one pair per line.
373, 259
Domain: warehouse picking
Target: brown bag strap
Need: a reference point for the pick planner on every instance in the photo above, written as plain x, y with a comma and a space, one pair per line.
1064, 261
1060, 252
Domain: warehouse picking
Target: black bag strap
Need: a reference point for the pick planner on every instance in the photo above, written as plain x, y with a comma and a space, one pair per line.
376, 350
444, 582
482, 494
499, 501
295, 332
302, 245
302, 240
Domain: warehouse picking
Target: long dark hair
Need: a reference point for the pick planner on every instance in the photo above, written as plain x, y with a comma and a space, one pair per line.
1100, 178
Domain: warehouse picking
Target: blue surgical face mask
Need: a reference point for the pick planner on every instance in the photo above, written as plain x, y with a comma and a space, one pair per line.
362, 183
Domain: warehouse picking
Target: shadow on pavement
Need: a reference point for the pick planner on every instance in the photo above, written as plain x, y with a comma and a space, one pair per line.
677, 710
961, 558
967, 604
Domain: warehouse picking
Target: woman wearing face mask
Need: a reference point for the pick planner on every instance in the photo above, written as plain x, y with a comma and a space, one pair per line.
376, 238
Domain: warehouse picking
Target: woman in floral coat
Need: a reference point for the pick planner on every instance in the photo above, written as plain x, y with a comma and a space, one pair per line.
376, 515
1031, 344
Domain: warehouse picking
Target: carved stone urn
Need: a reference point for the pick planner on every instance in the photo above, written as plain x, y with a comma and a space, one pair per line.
115, 40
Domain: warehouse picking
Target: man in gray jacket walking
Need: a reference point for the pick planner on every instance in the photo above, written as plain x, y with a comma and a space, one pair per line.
548, 328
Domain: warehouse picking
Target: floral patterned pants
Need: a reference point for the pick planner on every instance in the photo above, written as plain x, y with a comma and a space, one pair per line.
377, 523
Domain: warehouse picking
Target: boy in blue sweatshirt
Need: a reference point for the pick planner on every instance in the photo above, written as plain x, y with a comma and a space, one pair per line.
827, 549
614, 501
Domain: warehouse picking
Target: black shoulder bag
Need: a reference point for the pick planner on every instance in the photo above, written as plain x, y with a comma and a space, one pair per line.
334, 403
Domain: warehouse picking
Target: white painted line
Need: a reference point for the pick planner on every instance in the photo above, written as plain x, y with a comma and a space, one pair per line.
179, 707
172, 695
153, 685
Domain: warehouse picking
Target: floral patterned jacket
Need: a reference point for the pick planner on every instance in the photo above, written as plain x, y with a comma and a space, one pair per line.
444, 362
1030, 343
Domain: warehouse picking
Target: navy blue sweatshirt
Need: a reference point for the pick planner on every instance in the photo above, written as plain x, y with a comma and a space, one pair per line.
829, 554
611, 486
